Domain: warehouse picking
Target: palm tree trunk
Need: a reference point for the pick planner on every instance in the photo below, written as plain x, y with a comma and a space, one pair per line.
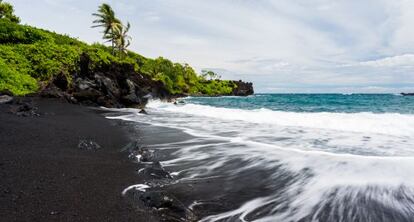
113, 47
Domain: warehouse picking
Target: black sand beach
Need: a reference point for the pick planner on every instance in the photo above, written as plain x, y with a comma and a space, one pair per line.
45, 176
48, 175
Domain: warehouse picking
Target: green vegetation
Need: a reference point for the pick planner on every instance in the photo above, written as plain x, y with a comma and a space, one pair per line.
18, 83
31, 57
7, 12
209, 74
122, 39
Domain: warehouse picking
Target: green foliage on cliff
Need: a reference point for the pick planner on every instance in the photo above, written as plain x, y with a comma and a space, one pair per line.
7, 12
180, 78
17, 82
30, 57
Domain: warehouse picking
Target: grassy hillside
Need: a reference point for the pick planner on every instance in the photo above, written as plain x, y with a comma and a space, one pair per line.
31, 57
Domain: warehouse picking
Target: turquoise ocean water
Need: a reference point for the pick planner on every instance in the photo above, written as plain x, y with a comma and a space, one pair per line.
348, 103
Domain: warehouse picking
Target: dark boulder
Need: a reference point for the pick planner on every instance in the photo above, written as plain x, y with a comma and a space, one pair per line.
23, 108
146, 155
89, 95
132, 147
84, 84
89, 145
167, 205
52, 91
131, 100
143, 111
61, 81
155, 171
138, 152
157, 199
107, 85
4, 99
130, 97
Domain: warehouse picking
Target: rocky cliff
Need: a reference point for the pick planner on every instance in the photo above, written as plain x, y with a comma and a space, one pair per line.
243, 88
115, 86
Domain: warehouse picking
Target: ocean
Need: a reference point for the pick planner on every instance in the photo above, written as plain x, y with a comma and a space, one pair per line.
292, 157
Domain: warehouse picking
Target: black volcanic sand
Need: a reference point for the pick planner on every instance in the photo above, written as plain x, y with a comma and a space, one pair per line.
46, 177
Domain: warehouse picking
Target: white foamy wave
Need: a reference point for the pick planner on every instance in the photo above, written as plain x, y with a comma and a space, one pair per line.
387, 123
337, 176
341, 160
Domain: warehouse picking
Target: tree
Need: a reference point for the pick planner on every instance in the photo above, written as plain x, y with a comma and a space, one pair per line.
209, 74
7, 12
106, 19
121, 39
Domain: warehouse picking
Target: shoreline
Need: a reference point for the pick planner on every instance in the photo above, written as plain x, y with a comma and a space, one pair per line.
189, 199
67, 162
48, 175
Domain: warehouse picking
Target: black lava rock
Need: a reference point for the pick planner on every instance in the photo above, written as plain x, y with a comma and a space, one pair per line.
23, 108
155, 171
88, 145
5, 99
143, 111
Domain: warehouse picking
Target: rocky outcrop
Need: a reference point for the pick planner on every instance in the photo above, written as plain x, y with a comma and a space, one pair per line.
152, 195
113, 85
23, 107
243, 88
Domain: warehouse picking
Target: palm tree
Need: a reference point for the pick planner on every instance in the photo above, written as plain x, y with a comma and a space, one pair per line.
121, 39
106, 19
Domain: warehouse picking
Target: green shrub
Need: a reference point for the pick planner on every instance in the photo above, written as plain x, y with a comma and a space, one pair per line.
14, 59
16, 82
48, 59
12, 33
65, 39
102, 55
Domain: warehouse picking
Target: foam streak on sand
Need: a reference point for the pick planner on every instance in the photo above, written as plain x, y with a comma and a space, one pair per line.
139, 187
319, 166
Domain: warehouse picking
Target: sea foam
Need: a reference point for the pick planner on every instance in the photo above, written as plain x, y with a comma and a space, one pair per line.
341, 164
385, 123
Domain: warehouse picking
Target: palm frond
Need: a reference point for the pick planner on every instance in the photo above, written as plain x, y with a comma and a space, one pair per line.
113, 29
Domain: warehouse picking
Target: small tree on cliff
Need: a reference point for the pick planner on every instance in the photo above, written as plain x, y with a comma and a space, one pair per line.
7, 12
122, 39
106, 19
209, 74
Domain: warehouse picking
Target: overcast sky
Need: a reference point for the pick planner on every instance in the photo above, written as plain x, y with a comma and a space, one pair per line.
280, 45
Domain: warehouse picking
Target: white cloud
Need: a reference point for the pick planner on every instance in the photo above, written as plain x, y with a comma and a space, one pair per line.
152, 17
274, 43
406, 60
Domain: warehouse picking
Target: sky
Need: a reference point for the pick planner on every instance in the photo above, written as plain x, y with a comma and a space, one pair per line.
282, 46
